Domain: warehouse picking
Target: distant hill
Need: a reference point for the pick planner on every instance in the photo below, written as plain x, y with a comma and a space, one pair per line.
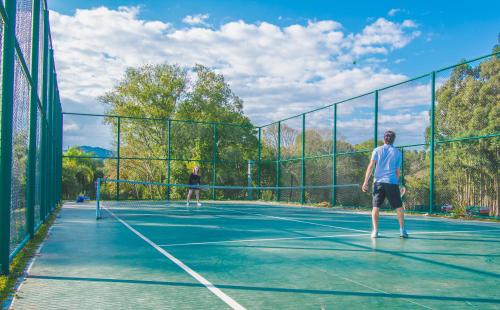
96, 151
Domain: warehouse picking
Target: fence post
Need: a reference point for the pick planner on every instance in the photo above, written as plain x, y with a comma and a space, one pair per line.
44, 119
303, 162
169, 126
334, 158
402, 176
8, 43
50, 123
278, 164
118, 147
432, 142
375, 127
259, 158
60, 159
214, 160
35, 38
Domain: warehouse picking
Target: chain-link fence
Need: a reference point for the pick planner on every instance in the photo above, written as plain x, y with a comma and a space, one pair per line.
31, 125
447, 127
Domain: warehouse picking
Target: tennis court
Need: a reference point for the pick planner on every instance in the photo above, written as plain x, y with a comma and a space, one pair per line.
154, 254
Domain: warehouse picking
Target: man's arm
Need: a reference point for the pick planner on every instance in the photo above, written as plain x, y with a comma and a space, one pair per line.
368, 174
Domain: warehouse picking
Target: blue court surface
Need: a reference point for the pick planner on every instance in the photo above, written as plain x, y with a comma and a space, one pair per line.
158, 255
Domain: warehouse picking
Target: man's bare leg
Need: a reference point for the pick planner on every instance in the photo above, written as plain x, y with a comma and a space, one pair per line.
197, 192
190, 192
375, 216
401, 220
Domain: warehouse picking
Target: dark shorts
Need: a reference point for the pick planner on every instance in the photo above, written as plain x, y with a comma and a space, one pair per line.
389, 191
194, 187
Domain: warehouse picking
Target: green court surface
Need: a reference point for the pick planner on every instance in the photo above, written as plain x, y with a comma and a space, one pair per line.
222, 256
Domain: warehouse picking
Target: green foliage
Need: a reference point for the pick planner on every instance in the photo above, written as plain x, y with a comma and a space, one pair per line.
79, 173
165, 92
468, 104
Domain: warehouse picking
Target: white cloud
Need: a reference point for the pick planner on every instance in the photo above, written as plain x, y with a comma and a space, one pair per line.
198, 19
383, 36
70, 127
393, 12
277, 71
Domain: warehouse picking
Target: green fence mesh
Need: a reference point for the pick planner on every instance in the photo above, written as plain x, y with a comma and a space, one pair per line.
31, 125
446, 130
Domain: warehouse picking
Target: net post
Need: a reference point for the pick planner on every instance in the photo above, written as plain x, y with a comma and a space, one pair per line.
250, 164
169, 127
432, 141
118, 147
278, 164
98, 198
303, 162
259, 158
334, 156
8, 43
35, 38
375, 127
214, 161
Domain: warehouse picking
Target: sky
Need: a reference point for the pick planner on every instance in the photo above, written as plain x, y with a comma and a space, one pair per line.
281, 57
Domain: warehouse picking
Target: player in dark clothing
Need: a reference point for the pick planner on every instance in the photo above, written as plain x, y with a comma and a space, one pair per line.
195, 181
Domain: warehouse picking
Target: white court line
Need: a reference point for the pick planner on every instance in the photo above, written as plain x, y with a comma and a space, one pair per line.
323, 237
217, 292
264, 239
294, 220
453, 232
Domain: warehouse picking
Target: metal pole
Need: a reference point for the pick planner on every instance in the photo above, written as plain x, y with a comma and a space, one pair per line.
31, 190
118, 144
303, 162
50, 122
432, 141
278, 164
54, 137
61, 122
8, 43
259, 158
214, 161
98, 198
334, 158
169, 127
44, 120
375, 127
402, 176
250, 164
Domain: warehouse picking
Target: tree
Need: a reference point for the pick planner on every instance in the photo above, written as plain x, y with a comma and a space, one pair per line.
468, 105
79, 173
164, 92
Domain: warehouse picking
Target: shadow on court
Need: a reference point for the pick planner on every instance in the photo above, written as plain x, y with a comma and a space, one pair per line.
274, 289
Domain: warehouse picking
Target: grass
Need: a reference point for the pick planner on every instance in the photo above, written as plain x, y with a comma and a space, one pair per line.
22, 259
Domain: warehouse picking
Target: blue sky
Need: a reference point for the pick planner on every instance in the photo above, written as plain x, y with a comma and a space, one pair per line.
281, 57
452, 30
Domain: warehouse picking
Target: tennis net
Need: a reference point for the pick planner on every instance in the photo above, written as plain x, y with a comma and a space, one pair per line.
128, 194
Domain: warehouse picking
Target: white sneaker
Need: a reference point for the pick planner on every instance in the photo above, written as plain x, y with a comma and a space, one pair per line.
187, 204
374, 234
403, 233
198, 204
